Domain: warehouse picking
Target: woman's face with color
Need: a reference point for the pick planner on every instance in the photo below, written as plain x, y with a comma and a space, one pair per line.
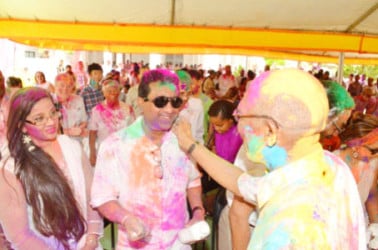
42, 123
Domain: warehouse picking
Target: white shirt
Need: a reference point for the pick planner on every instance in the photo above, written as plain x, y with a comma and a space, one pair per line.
194, 114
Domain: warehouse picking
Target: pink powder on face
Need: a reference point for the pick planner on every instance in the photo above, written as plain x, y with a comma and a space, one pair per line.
254, 90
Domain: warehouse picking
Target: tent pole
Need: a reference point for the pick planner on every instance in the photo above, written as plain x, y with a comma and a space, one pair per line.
173, 12
341, 68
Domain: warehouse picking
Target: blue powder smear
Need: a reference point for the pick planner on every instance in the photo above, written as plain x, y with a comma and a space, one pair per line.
274, 156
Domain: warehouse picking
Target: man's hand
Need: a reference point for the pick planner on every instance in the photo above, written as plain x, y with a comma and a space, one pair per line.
135, 228
91, 242
198, 215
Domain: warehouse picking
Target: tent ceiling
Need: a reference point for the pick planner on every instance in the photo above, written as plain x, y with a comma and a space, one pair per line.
336, 18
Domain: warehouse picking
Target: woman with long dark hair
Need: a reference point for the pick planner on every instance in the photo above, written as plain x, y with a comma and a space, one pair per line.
45, 180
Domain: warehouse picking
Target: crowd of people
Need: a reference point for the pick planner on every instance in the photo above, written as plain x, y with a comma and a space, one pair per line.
295, 151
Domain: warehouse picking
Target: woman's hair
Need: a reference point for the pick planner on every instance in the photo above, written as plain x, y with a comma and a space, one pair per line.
55, 210
222, 108
358, 126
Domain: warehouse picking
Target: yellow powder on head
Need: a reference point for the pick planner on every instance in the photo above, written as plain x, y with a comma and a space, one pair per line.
296, 99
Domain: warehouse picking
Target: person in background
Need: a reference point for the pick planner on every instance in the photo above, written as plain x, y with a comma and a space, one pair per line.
142, 179
60, 68
232, 95
71, 106
92, 94
208, 86
359, 151
301, 180
227, 140
365, 102
13, 84
40, 81
226, 81
135, 75
355, 88
192, 108
370, 85
81, 76
197, 80
132, 94
341, 105
44, 181
107, 117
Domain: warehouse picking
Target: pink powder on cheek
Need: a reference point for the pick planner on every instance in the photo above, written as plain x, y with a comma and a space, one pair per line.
33, 131
254, 90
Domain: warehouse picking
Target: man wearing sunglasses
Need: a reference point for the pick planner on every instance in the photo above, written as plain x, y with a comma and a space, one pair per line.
142, 179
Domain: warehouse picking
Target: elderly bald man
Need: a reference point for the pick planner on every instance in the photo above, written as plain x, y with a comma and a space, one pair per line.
308, 198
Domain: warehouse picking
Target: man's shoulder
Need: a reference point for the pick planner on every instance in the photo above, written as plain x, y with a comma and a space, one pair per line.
132, 132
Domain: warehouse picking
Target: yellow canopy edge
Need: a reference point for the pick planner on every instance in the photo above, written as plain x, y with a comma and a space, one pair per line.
187, 40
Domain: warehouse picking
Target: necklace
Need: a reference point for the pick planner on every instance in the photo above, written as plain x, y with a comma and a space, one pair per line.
154, 156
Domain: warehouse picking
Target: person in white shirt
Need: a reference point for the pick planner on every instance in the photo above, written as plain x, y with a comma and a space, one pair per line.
192, 109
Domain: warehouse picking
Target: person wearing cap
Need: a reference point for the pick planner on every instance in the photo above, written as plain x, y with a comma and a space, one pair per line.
308, 198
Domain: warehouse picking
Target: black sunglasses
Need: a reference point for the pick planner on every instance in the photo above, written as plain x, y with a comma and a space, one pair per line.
162, 101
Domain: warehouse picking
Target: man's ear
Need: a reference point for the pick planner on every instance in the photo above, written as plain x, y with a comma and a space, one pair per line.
270, 133
140, 102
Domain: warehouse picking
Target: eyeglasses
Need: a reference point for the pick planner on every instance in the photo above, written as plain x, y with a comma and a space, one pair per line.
41, 120
238, 116
162, 101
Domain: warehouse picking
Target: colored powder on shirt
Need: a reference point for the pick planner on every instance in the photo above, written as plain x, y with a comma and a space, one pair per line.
135, 130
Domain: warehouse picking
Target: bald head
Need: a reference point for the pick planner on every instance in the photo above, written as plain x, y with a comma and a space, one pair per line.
294, 98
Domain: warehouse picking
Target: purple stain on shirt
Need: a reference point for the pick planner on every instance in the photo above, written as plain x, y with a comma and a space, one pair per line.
316, 216
175, 212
